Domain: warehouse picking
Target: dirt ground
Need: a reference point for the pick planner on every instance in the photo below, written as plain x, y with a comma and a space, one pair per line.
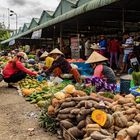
18, 118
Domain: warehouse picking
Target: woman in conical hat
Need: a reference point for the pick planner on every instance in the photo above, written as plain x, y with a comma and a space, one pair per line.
61, 66
48, 59
103, 77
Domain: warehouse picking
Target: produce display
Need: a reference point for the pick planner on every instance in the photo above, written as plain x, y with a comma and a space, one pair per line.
94, 117
77, 112
4, 60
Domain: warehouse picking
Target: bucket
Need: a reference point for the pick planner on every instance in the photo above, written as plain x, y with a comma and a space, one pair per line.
125, 83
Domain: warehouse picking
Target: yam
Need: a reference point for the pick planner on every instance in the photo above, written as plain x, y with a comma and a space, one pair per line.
68, 104
130, 96
81, 124
137, 118
133, 130
138, 106
75, 111
131, 111
138, 137
66, 124
130, 123
130, 117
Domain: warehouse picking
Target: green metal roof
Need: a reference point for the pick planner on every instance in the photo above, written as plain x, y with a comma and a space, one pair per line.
25, 27
81, 2
19, 31
45, 16
88, 6
34, 23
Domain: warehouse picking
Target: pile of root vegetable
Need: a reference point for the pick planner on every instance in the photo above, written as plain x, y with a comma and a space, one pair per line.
95, 117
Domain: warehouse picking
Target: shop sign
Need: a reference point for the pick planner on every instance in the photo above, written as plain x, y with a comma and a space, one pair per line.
75, 51
36, 34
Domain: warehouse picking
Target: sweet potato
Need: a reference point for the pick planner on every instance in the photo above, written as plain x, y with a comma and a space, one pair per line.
66, 124
75, 132
68, 104
81, 124
85, 98
62, 116
75, 111
72, 116
105, 132
85, 112
66, 110
80, 118
81, 104
98, 136
89, 120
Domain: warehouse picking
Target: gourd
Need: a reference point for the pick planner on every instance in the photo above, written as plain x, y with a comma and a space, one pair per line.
69, 89
101, 118
59, 95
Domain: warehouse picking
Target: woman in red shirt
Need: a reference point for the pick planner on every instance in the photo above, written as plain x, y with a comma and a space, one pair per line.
15, 71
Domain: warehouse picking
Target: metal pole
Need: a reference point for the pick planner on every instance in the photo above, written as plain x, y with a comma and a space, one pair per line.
123, 23
8, 18
16, 22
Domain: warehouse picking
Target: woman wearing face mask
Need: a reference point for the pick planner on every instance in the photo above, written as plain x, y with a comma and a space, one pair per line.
15, 71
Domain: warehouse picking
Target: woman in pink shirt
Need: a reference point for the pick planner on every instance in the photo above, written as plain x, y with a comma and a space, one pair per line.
103, 78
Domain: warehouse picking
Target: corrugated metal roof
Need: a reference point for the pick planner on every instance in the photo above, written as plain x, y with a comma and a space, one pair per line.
45, 16
34, 23
89, 6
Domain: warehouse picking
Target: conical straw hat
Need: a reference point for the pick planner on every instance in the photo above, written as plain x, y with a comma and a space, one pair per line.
56, 51
45, 54
94, 46
96, 57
